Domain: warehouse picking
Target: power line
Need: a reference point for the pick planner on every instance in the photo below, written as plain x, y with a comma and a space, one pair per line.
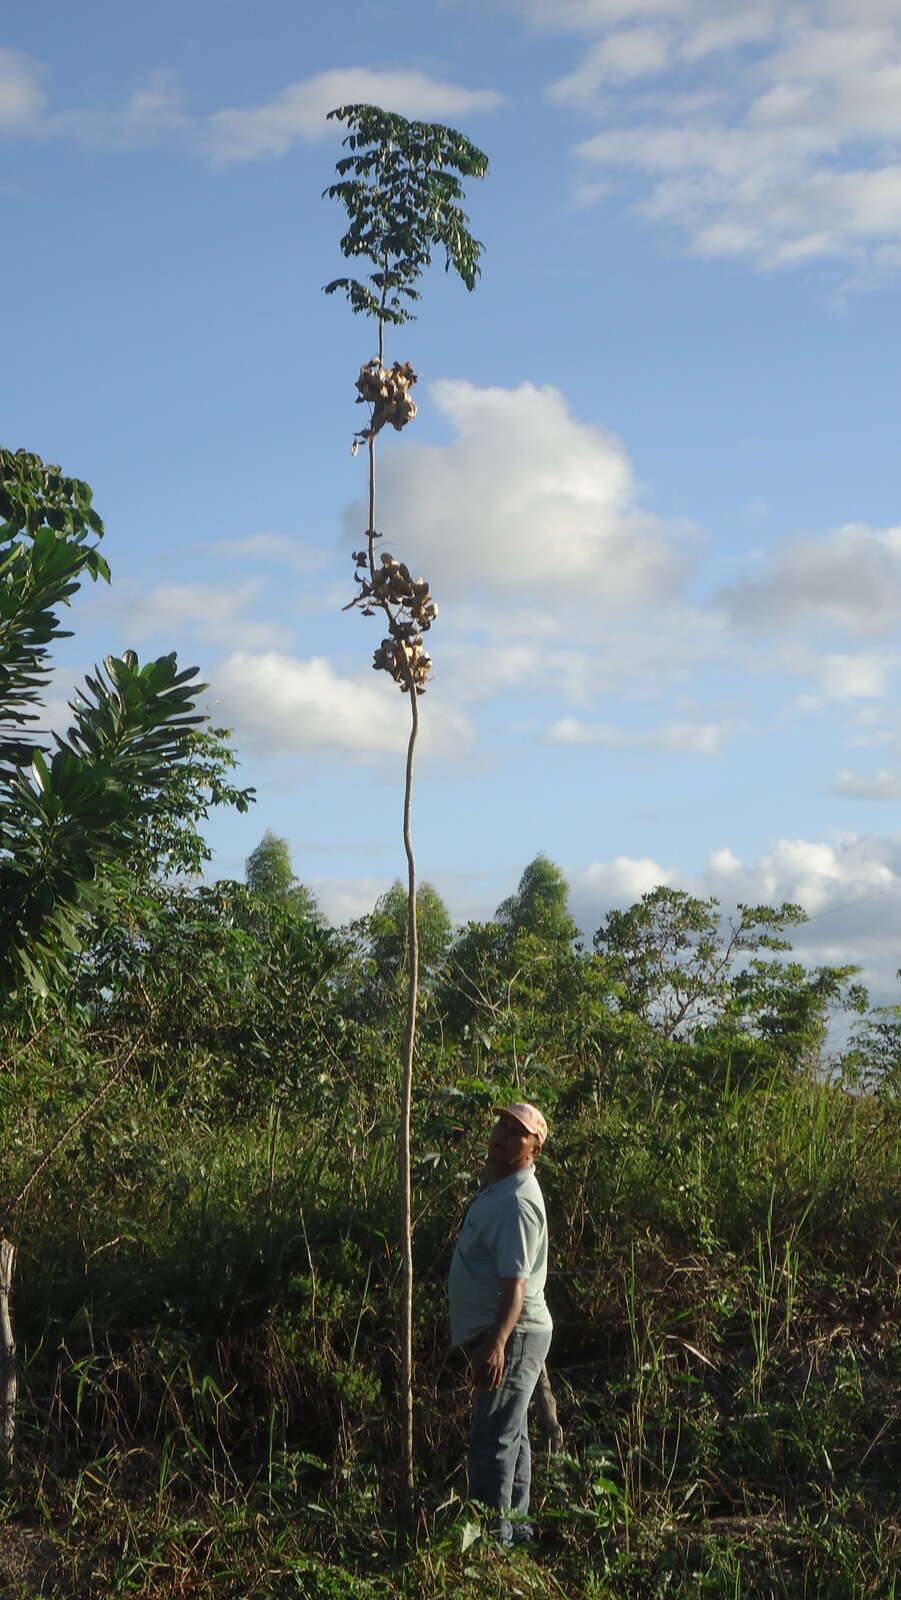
874, 894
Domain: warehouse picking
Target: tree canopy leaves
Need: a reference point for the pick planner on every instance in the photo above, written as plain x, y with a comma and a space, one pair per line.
400, 187
269, 875
112, 789
48, 541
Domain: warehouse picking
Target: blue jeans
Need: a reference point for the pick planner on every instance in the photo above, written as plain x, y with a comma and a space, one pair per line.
500, 1461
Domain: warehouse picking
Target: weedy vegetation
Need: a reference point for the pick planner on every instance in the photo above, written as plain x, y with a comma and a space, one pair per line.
200, 1091
208, 1269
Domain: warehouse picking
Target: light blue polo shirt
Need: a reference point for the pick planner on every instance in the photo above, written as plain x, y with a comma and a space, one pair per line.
504, 1235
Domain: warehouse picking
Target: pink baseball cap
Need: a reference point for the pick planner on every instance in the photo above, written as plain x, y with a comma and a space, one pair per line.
529, 1116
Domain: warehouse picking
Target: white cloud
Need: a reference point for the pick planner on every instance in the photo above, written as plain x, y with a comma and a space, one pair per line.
843, 677
800, 158
526, 503
155, 105
480, 670
694, 738
283, 705
848, 579
620, 882
155, 110
22, 99
591, 15
299, 111
529, 522
215, 614
151, 112
619, 57
881, 785
279, 548
837, 678
343, 900
850, 886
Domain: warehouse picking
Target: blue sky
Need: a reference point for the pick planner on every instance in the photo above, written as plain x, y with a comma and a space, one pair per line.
653, 479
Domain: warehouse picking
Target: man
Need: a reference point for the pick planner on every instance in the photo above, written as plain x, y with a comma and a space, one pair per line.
499, 1316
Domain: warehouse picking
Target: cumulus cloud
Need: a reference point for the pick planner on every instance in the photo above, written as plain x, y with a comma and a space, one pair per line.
527, 503
152, 111
845, 677
214, 614
881, 785
685, 738
848, 579
480, 669
282, 705
765, 131
605, 884
850, 887
529, 519
22, 99
155, 109
836, 677
631, 53
299, 110
343, 900
278, 548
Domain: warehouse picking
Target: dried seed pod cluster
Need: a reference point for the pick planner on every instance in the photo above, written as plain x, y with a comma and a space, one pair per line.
387, 390
410, 610
405, 659
386, 584
392, 582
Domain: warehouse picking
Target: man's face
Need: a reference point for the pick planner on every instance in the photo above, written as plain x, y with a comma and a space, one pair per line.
511, 1146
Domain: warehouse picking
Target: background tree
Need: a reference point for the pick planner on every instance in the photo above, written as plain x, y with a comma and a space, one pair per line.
400, 185
388, 933
268, 871
540, 905
69, 822
529, 928
873, 1060
381, 941
269, 875
676, 964
671, 954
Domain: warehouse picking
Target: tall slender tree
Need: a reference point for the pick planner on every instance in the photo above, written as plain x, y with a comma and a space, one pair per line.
400, 184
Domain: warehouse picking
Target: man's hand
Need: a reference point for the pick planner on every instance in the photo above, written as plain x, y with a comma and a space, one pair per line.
488, 1362
488, 1356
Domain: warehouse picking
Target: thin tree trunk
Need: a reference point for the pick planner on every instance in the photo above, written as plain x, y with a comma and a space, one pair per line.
406, 1106
406, 1217
8, 1373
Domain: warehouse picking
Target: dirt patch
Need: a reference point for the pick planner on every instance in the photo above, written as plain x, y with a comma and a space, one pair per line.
29, 1563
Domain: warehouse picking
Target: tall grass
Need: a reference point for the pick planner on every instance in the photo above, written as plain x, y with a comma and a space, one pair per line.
210, 1369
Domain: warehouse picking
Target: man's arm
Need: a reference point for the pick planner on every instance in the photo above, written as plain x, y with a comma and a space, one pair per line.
488, 1355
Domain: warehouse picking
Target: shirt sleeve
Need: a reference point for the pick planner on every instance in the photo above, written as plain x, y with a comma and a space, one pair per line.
517, 1240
